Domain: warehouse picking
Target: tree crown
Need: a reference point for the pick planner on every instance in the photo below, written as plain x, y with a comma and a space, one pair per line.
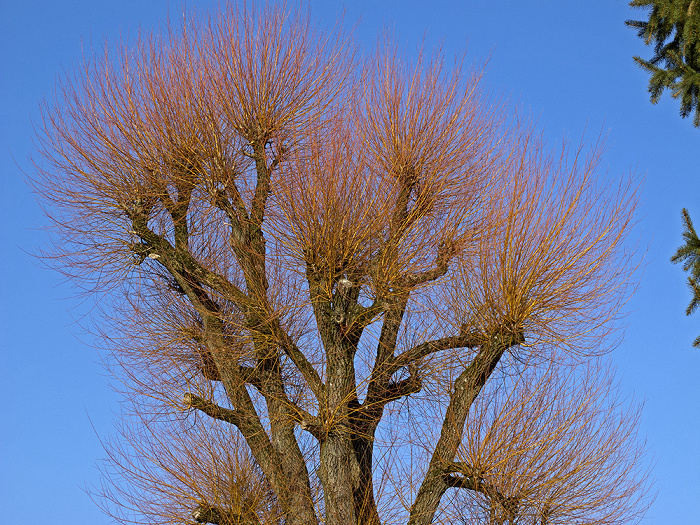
311, 252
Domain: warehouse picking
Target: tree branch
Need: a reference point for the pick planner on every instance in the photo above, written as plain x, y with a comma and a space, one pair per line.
465, 390
262, 188
463, 340
237, 216
383, 363
471, 479
404, 387
445, 253
278, 454
180, 261
378, 397
299, 359
212, 410
312, 424
473, 482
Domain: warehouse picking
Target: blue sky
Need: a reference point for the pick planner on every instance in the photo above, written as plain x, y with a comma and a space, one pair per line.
568, 64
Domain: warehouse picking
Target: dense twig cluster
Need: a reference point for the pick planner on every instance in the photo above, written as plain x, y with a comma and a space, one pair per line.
342, 290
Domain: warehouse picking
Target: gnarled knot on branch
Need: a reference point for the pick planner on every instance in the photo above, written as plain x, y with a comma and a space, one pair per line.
508, 336
207, 514
139, 208
140, 250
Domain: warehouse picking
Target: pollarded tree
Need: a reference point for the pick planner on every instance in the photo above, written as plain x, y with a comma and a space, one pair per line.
326, 275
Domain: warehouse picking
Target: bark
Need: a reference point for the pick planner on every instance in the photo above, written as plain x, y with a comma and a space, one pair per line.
339, 470
262, 322
278, 454
466, 388
363, 448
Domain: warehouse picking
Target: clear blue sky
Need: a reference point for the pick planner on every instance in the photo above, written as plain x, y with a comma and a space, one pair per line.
569, 64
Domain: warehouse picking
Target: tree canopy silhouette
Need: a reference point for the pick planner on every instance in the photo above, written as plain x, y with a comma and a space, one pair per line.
339, 289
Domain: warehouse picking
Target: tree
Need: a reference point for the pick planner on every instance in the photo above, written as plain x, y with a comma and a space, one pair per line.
679, 21
339, 290
689, 255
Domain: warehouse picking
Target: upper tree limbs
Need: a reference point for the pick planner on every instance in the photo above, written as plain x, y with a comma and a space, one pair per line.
465, 390
268, 336
191, 277
381, 390
248, 244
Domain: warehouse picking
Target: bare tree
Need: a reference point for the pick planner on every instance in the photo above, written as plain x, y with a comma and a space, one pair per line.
339, 290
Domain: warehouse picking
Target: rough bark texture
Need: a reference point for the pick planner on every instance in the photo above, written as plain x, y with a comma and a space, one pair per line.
466, 388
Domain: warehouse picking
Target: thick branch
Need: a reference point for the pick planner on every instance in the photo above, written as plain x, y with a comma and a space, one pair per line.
238, 215
212, 410
463, 340
178, 210
397, 227
312, 424
466, 388
262, 188
381, 372
399, 222
403, 388
246, 230
372, 409
442, 263
385, 363
251, 376
180, 261
278, 454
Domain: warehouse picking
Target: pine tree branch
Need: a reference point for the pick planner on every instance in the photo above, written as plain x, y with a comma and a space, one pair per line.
675, 64
689, 255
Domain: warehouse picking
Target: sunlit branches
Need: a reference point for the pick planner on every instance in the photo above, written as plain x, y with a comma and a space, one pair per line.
184, 472
303, 243
273, 73
431, 138
555, 265
551, 445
